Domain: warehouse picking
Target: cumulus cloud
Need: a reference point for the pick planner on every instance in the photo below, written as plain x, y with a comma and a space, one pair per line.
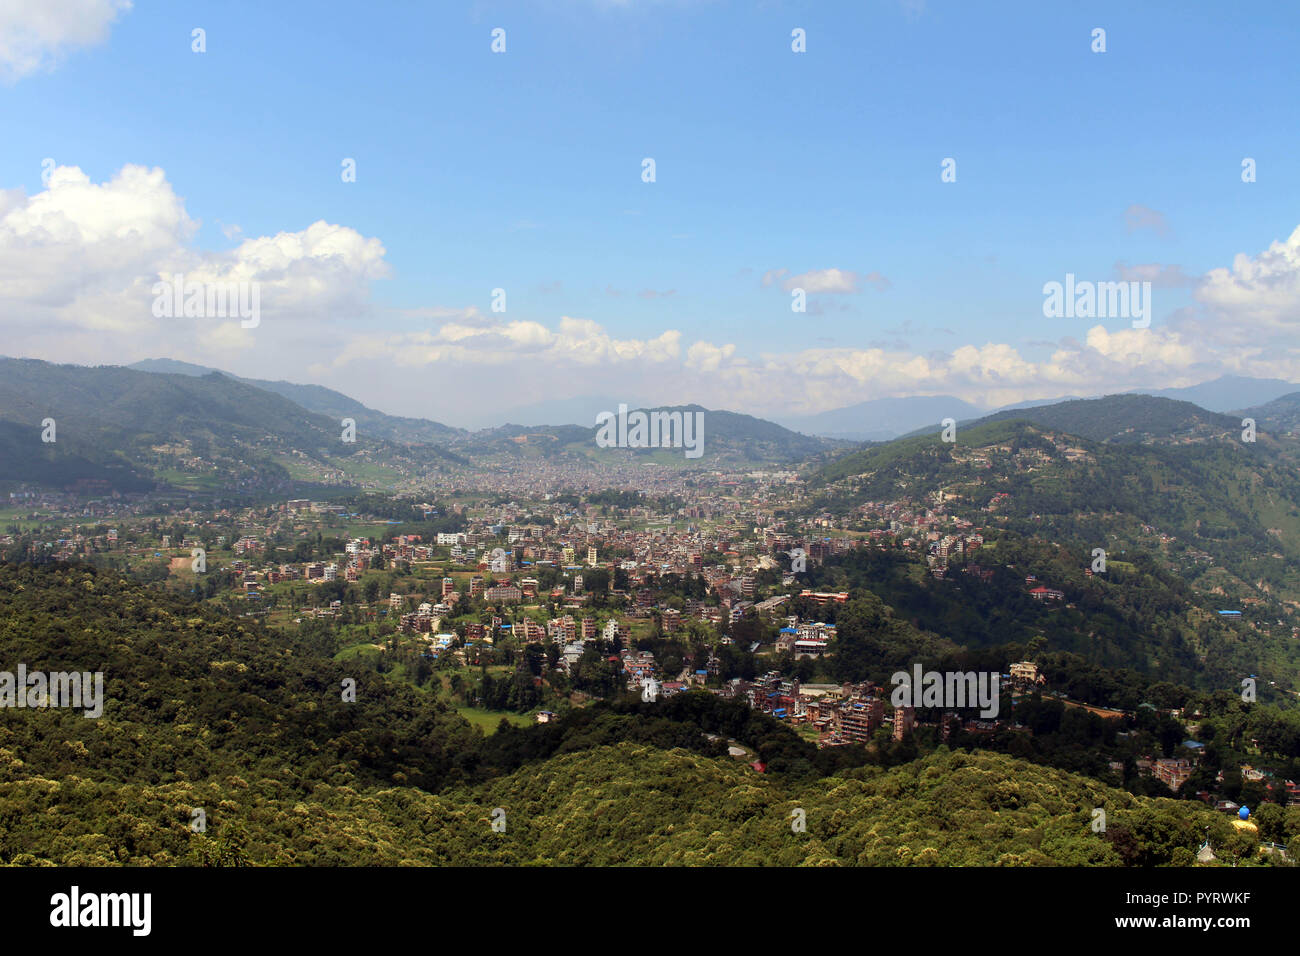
576, 343
707, 357
79, 260
806, 380
36, 34
1258, 299
816, 379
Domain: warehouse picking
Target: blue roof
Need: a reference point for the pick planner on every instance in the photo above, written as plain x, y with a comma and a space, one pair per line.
789, 630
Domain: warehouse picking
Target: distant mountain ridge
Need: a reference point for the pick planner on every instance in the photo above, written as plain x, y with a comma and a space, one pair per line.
1226, 393
110, 423
129, 430
746, 437
728, 437
138, 423
324, 401
1120, 419
875, 420
562, 411
1280, 416
882, 418
736, 436
168, 426
887, 418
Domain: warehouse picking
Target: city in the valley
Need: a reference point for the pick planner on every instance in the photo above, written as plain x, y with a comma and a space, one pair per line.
521, 592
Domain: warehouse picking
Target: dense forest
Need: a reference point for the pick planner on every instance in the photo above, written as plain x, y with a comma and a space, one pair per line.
255, 729
1138, 615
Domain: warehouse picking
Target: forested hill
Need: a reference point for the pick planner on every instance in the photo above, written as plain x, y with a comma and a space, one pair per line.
1120, 419
323, 401
213, 713
132, 430
1235, 501
1281, 416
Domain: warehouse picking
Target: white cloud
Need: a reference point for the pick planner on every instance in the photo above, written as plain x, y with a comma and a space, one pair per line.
36, 34
1257, 300
575, 344
707, 357
823, 280
791, 383
79, 259
832, 281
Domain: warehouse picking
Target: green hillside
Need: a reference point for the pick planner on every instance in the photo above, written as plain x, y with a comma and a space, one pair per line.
729, 438
132, 430
1280, 416
249, 725
625, 804
1237, 502
1120, 419
323, 401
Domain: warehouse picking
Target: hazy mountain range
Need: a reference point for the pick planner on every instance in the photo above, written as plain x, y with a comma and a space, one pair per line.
1130, 418
886, 418
875, 420
324, 401
171, 424
165, 421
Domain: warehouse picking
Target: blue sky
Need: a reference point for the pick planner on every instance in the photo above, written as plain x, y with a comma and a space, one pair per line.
522, 171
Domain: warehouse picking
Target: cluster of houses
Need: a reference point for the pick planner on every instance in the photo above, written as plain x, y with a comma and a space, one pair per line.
805, 640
